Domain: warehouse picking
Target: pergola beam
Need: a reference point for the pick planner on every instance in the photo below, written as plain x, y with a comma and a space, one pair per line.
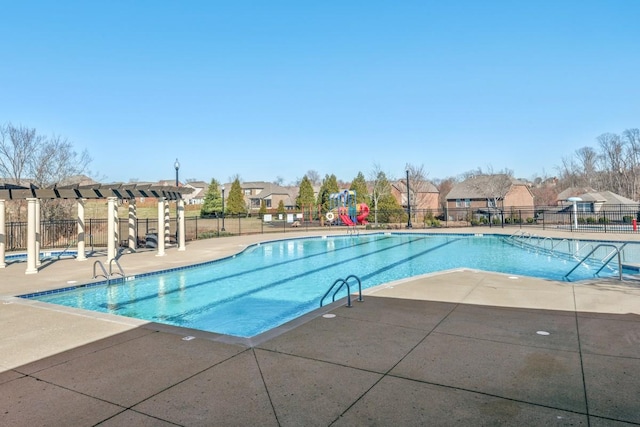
111, 192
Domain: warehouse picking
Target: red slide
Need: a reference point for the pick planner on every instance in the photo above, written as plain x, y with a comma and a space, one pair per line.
364, 213
345, 219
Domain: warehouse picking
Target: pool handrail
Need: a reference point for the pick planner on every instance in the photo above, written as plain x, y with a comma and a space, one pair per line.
616, 251
120, 270
344, 282
104, 270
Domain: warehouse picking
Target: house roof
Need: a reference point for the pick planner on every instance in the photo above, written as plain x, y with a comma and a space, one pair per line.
424, 187
483, 186
607, 198
574, 192
268, 189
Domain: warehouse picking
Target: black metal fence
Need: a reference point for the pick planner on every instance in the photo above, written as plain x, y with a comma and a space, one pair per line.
63, 234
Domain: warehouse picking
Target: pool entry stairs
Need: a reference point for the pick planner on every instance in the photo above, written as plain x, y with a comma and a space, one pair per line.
591, 254
337, 287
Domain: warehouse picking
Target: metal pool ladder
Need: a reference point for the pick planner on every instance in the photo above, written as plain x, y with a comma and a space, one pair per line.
111, 273
344, 282
605, 260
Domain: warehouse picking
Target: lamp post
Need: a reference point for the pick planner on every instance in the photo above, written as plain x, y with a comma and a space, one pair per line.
408, 203
575, 201
177, 166
222, 209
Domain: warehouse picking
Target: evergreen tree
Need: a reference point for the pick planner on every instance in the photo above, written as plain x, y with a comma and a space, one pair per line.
212, 200
235, 201
329, 186
281, 209
359, 185
389, 210
263, 208
305, 195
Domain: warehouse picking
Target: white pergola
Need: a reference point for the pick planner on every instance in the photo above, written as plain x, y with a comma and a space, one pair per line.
112, 193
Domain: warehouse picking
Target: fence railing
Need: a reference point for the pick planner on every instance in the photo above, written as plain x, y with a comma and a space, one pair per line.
63, 233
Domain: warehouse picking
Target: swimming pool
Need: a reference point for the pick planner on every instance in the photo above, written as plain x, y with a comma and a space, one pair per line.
271, 283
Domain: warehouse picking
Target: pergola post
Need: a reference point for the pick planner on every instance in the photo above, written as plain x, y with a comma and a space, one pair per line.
166, 224
38, 233
3, 234
133, 225
112, 234
31, 236
161, 226
181, 227
81, 233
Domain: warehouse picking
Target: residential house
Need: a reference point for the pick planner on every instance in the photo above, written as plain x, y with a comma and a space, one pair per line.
196, 197
489, 194
424, 195
592, 201
255, 192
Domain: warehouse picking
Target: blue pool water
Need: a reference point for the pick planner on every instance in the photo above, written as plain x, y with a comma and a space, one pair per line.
271, 283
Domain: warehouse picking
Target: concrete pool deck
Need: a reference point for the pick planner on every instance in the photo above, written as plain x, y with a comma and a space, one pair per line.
460, 347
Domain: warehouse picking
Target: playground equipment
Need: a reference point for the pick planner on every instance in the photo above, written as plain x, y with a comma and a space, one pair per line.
343, 207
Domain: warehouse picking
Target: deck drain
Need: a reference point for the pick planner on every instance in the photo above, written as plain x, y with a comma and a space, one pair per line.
329, 316
544, 333
513, 277
188, 338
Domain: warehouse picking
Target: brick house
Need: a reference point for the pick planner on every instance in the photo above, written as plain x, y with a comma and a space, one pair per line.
424, 195
489, 194
255, 192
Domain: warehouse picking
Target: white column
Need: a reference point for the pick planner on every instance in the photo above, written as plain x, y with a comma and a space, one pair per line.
3, 234
112, 217
166, 230
161, 225
81, 233
38, 233
31, 236
133, 225
181, 227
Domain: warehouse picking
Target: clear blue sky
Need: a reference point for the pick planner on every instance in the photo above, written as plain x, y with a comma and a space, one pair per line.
276, 88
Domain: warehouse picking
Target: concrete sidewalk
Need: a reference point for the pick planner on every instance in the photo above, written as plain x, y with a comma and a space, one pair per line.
454, 348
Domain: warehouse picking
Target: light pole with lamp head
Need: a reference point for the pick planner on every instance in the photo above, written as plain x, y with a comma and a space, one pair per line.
177, 166
408, 203
575, 201
222, 209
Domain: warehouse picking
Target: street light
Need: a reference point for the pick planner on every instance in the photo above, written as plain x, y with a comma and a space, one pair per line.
222, 209
408, 203
575, 201
177, 166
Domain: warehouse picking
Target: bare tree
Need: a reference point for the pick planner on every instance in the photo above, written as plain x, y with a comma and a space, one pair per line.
612, 161
380, 188
444, 186
17, 145
418, 185
587, 165
314, 177
29, 158
631, 138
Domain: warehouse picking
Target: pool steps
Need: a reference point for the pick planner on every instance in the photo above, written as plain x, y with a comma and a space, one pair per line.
546, 245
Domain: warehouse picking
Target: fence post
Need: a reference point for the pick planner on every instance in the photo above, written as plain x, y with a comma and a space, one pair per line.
520, 217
